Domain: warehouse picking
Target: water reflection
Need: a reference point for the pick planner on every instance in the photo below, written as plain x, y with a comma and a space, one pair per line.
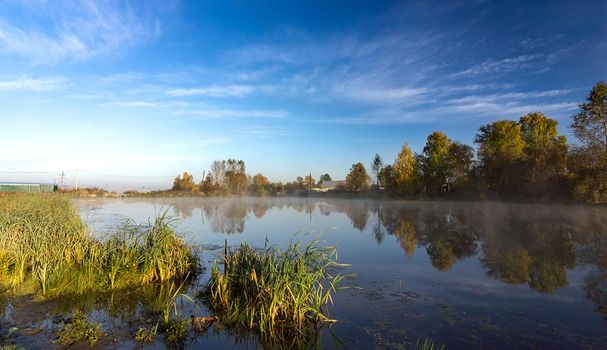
532, 245
516, 244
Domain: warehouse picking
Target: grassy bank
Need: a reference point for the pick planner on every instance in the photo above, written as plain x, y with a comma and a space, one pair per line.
45, 248
281, 295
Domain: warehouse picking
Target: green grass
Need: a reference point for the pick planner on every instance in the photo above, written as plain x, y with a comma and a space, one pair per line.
278, 294
427, 344
146, 334
79, 329
46, 248
175, 332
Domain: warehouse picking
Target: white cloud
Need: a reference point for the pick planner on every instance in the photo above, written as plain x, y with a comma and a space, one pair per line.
231, 113
144, 104
32, 84
509, 96
220, 91
499, 66
510, 108
74, 30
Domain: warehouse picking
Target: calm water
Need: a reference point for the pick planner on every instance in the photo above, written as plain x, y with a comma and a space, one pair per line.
467, 275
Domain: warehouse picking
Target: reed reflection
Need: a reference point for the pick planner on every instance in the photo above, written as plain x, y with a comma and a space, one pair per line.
516, 244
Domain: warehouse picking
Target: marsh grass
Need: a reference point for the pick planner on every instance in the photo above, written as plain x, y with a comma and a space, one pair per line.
427, 344
146, 334
176, 331
79, 329
46, 248
281, 295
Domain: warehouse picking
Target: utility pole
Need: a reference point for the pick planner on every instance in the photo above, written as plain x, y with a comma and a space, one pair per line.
62, 176
77, 178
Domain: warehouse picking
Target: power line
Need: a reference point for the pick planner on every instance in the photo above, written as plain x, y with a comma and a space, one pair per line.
15, 171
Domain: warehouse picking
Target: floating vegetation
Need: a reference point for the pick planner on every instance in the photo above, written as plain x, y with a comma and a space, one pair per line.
281, 295
176, 331
6, 342
146, 334
79, 329
46, 248
427, 344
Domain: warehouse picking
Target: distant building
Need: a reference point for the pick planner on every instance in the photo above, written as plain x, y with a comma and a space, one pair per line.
327, 186
27, 187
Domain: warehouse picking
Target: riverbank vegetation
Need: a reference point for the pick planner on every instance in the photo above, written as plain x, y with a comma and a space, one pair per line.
523, 159
45, 248
278, 294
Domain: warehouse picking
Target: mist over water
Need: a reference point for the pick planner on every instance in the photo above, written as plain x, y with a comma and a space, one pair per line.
466, 274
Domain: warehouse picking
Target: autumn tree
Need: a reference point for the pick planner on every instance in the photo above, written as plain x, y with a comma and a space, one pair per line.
404, 168
259, 184
358, 179
500, 147
208, 185
590, 158
235, 176
184, 182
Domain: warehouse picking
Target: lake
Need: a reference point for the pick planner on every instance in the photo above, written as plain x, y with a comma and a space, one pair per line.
468, 275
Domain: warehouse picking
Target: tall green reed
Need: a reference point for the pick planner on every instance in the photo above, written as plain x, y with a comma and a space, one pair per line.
279, 294
44, 241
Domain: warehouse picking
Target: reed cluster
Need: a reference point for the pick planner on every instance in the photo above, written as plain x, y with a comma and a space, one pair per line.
46, 248
275, 293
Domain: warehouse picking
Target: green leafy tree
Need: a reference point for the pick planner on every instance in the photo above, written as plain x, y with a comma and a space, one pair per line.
461, 162
545, 154
435, 161
590, 158
358, 179
387, 179
326, 177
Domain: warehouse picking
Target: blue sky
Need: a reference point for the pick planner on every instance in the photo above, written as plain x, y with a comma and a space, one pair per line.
149, 89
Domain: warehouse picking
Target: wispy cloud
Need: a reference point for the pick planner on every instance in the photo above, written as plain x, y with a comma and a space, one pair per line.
231, 113
136, 104
509, 96
509, 64
265, 131
33, 84
509, 109
220, 91
77, 30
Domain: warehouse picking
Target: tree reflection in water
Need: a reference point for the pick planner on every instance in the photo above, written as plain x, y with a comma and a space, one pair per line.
516, 244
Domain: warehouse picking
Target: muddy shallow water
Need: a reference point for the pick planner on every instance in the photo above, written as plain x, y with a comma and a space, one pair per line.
466, 275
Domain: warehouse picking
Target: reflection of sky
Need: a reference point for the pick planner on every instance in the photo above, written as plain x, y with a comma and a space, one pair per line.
382, 269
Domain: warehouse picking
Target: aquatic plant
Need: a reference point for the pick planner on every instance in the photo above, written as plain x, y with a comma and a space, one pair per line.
279, 294
146, 334
176, 331
427, 344
79, 329
45, 247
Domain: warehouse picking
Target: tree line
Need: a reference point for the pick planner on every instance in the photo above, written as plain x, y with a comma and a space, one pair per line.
512, 159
